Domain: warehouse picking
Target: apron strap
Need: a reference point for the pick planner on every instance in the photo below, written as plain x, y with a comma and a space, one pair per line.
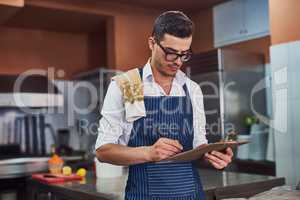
188, 98
141, 73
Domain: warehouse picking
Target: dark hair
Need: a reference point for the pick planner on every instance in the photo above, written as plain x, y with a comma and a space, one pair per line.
175, 23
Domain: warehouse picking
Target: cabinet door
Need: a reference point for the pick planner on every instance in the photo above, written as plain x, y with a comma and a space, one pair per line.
256, 18
228, 22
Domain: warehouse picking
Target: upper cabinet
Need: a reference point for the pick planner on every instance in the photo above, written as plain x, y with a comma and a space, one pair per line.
240, 20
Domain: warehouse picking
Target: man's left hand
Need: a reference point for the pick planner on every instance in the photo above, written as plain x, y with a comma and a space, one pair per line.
218, 159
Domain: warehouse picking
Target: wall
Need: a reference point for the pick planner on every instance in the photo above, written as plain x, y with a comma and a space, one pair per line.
12, 2
260, 46
284, 21
128, 30
133, 25
203, 35
122, 46
23, 49
127, 34
131, 38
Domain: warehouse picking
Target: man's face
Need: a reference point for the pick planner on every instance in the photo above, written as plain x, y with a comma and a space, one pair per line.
170, 44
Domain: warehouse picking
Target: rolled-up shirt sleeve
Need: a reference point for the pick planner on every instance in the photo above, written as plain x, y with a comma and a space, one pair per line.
199, 120
111, 125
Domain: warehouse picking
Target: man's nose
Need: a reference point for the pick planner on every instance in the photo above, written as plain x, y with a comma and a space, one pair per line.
178, 61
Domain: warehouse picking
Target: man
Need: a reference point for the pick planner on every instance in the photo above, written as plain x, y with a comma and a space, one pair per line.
174, 120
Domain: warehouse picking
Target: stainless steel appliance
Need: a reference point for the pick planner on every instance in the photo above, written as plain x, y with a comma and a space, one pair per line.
227, 79
87, 124
23, 99
30, 133
32, 90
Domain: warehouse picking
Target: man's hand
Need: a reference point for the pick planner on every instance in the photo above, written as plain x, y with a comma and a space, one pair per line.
219, 160
163, 148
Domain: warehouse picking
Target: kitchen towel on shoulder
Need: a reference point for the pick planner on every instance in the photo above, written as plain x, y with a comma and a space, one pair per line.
131, 86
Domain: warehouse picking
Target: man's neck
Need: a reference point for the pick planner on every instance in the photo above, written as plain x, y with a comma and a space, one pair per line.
164, 81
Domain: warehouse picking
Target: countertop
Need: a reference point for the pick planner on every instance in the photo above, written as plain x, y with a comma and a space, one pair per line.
25, 166
113, 188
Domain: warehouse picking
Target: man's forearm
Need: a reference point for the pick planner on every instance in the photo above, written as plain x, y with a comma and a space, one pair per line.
122, 155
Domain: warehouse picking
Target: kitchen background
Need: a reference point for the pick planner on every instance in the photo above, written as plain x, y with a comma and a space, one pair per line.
75, 47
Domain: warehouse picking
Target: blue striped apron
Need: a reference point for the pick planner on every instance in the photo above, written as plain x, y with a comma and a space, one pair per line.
173, 117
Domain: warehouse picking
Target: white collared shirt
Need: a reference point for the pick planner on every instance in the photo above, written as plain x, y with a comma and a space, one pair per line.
113, 127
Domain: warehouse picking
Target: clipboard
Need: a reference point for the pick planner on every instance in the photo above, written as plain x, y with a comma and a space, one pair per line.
198, 152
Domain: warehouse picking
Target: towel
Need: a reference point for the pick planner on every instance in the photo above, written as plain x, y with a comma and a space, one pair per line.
131, 86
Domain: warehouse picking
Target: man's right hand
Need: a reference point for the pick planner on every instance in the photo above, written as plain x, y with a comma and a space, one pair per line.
163, 148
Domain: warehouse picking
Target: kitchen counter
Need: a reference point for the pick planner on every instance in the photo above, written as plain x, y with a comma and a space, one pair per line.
214, 182
25, 166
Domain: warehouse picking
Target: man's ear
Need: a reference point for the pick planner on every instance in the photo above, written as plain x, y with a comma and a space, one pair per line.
151, 43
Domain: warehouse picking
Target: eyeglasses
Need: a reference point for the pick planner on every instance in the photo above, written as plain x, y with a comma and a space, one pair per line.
172, 56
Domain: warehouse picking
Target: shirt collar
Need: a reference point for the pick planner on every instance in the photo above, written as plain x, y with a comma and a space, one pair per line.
180, 76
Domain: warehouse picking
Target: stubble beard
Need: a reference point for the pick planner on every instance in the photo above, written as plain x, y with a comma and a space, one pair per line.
162, 72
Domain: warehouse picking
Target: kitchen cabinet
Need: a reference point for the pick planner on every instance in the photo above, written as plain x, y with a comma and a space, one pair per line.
240, 20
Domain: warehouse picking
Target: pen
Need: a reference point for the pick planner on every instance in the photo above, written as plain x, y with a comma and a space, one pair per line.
159, 133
